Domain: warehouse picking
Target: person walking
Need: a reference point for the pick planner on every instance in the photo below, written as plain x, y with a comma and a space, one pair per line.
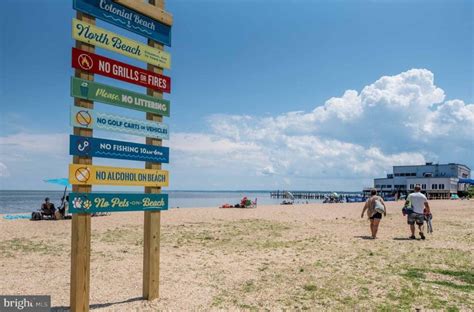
373, 204
419, 207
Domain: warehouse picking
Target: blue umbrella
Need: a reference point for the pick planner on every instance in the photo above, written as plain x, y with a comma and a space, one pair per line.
63, 181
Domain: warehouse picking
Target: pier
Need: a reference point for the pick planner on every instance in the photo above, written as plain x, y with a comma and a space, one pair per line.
312, 194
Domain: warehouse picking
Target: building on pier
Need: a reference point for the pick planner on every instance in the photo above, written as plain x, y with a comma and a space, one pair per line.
437, 181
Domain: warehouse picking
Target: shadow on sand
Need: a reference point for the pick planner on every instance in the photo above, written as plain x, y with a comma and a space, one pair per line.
363, 237
98, 305
403, 239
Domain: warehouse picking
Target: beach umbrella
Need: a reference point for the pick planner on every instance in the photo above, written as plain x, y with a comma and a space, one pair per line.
63, 181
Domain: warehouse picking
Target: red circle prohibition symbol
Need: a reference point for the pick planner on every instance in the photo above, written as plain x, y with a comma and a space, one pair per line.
85, 61
83, 118
82, 174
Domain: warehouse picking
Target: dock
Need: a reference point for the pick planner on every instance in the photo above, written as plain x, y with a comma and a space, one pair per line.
312, 194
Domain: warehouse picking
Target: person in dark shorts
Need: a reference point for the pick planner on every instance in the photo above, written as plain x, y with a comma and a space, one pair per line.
48, 209
419, 207
373, 215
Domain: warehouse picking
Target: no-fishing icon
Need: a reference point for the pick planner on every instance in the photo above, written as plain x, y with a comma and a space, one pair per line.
83, 118
83, 145
82, 174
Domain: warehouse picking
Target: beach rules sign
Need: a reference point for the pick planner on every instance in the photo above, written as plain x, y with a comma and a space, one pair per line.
121, 71
96, 147
148, 19
91, 119
107, 202
85, 174
102, 38
121, 16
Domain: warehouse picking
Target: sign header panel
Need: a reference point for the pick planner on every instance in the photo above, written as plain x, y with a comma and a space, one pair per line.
80, 174
96, 147
94, 91
102, 38
148, 9
104, 66
121, 16
107, 202
91, 119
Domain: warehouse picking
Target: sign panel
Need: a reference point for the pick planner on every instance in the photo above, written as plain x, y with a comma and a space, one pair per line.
148, 9
96, 147
107, 202
94, 91
80, 174
91, 119
102, 38
114, 69
123, 17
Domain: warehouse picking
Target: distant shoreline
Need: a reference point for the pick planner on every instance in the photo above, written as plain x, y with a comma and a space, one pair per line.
197, 191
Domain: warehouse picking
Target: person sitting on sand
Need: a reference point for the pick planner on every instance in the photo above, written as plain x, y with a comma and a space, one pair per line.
373, 215
47, 208
420, 207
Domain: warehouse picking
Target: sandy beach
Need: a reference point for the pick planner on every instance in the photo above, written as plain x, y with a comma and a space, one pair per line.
301, 257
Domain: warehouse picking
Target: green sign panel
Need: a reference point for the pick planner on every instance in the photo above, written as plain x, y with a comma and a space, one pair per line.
94, 91
111, 202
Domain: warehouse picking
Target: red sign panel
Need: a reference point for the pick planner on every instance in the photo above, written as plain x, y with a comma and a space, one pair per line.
114, 69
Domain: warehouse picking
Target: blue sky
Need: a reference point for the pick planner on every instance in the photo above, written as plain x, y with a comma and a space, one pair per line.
240, 71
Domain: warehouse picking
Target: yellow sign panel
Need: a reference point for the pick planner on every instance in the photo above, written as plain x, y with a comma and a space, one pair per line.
90, 175
102, 38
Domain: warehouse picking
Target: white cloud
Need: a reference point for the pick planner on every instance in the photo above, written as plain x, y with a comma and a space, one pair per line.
396, 120
26, 146
411, 89
341, 144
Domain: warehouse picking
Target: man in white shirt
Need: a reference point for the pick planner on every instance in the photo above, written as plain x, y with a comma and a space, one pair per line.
419, 205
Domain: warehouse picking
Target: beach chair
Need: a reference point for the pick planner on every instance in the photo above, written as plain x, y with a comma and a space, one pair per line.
48, 214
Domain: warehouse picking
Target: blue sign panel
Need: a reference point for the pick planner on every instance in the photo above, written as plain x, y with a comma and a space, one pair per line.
123, 17
95, 147
108, 202
91, 119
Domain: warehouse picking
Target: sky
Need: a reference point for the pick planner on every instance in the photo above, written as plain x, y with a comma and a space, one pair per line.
300, 95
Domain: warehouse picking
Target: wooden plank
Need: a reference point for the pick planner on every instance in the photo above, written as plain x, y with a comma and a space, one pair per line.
151, 240
81, 223
154, 11
100, 37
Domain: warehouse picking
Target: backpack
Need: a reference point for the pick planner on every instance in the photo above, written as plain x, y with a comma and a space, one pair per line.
379, 206
36, 215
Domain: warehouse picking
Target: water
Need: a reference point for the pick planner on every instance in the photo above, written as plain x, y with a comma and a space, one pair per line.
28, 201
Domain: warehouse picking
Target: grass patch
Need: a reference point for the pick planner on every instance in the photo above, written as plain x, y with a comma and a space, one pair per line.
130, 236
460, 280
242, 234
310, 287
465, 276
9, 248
249, 286
414, 274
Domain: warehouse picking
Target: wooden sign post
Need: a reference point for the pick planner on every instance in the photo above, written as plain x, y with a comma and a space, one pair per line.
81, 223
82, 174
151, 239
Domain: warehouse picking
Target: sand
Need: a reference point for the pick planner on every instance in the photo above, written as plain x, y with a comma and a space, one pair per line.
302, 257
